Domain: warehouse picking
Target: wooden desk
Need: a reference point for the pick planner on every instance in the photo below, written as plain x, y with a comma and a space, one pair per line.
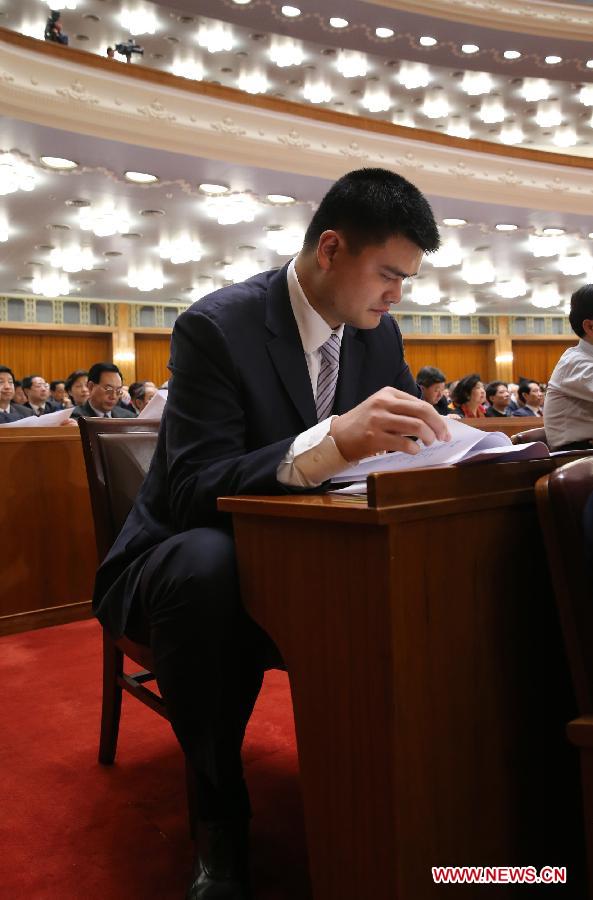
510, 425
48, 543
428, 679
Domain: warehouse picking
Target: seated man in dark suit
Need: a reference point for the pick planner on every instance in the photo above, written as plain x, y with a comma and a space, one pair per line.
105, 389
432, 387
499, 398
37, 390
531, 399
277, 384
9, 410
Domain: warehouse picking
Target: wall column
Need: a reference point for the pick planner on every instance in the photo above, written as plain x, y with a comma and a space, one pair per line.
502, 351
124, 351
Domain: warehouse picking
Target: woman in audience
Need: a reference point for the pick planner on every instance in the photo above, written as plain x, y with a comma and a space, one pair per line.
76, 386
468, 397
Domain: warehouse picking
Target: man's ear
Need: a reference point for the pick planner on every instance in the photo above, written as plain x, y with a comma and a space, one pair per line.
328, 244
588, 327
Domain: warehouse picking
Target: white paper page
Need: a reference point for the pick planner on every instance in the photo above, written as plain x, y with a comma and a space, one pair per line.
359, 487
155, 406
530, 450
50, 420
442, 453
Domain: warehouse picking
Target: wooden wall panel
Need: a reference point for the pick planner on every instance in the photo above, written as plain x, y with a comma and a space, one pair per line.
454, 358
52, 355
152, 356
536, 359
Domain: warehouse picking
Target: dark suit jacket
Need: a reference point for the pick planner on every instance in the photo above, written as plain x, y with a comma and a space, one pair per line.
495, 414
17, 411
239, 394
523, 411
87, 410
50, 407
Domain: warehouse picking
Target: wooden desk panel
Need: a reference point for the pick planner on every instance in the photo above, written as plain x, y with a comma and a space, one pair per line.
510, 425
47, 529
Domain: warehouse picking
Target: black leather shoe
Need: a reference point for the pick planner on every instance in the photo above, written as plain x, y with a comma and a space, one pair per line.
221, 870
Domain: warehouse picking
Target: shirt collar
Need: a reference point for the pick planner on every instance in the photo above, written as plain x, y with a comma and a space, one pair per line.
313, 329
98, 411
585, 346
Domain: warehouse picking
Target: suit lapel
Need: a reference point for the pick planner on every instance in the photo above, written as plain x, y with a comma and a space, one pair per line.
352, 355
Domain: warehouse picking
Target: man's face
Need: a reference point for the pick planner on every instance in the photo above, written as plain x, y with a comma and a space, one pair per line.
6, 388
358, 288
59, 392
433, 393
105, 395
502, 398
535, 396
39, 391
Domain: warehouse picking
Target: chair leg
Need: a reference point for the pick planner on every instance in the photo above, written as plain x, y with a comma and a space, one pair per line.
113, 666
586, 754
192, 800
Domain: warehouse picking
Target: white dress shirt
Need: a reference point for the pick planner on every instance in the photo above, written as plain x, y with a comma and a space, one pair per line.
568, 408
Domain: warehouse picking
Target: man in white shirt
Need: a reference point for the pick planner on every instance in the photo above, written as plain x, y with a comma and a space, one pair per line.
277, 384
569, 398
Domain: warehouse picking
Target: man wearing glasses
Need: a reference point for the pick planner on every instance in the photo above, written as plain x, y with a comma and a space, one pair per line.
105, 386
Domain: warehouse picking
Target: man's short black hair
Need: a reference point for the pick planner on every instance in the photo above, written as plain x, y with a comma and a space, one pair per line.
464, 387
492, 388
524, 387
97, 369
6, 369
428, 375
369, 206
581, 308
53, 384
28, 381
74, 376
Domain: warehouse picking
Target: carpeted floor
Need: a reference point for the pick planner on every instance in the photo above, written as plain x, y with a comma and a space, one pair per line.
71, 829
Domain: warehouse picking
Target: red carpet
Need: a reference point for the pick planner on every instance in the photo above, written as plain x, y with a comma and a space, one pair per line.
71, 828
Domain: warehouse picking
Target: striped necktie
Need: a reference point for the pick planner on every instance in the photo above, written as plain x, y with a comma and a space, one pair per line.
328, 376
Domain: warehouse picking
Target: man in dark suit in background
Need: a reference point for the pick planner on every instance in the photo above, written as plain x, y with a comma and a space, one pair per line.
9, 410
105, 386
37, 390
277, 384
531, 397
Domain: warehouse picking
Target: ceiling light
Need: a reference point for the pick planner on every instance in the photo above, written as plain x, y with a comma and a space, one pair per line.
337, 22
514, 287
425, 292
285, 241
413, 75
352, 64
459, 128
205, 286
589, 63
140, 177
213, 189
50, 284
565, 136
104, 220
384, 32
317, 91
465, 306
232, 209
492, 111
241, 2
148, 277
138, 21
253, 82
454, 223
554, 232
469, 48
502, 358
280, 199
16, 174
586, 95
216, 38
545, 296
286, 52
478, 268
72, 259
33, 29
57, 162
436, 105
188, 68
404, 119
575, 264
534, 89
549, 114
476, 83
291, 12
448, 254
544, 246
511, 134
61, 4
427, 41
553, 60
511, 54
241, 269
182, 249
504, 226
376, 99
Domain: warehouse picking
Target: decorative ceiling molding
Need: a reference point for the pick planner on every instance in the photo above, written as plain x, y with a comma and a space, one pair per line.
558, 20
54, 90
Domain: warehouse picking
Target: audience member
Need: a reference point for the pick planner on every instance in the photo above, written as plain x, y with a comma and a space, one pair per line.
499, 398
58, 395
37, 390
141, 392
19, 395
105, 387
468, 397
125, 401
432, 386
9, 410
513, 403
569, 398
77, 386
530, 399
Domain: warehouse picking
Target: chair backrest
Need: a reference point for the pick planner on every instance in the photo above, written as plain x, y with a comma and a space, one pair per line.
117, 456
533, 434
561, 497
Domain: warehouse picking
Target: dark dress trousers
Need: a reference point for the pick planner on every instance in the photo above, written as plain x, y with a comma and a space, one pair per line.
87, 410
239, 394
16, 411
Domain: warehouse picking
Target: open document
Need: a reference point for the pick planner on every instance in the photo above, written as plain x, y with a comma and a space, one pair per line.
49, 420
155, 406
467, 445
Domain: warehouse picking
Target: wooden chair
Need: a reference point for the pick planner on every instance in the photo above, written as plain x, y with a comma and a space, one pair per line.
117, 455
533, 434
561, 498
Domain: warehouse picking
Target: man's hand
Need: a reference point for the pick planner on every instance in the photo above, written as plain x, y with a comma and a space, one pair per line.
387, 421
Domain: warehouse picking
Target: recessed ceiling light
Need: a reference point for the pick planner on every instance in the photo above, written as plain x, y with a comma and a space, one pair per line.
57, 162
337, 22
280, 199
503, 226
454, 222
242, 2
291, 11
511, 54
140, 177
589, 63
469, 48
553, 60
553, 232
152, 212
384, 32
427, 41
213, 189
